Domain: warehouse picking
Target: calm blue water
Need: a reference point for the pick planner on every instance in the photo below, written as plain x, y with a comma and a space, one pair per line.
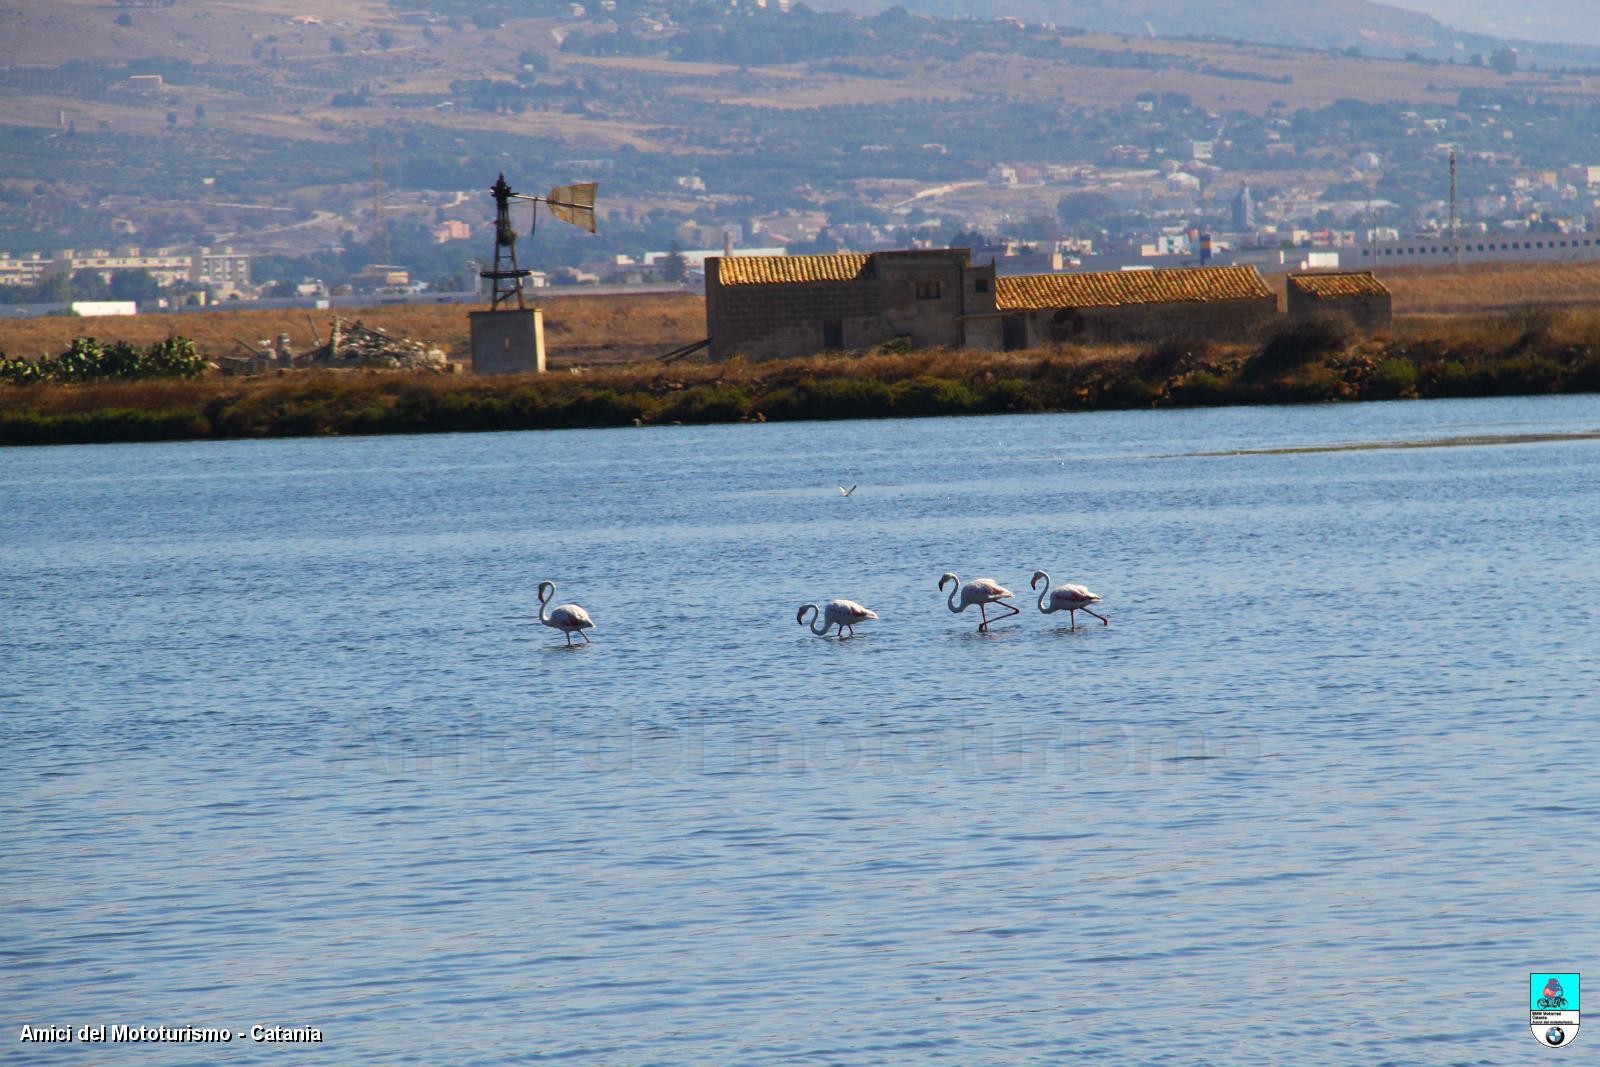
282, 743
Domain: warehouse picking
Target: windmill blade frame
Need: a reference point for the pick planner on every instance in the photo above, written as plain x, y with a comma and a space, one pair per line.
574, 204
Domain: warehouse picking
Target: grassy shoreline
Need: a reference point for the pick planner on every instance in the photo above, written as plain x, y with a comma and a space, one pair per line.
1537, 351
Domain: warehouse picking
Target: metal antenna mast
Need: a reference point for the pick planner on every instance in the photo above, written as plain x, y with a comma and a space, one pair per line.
380, 224
1455, 214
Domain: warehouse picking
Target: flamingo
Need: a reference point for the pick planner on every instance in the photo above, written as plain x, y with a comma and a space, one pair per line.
1068, 598
979, 591
841, 613
568, 618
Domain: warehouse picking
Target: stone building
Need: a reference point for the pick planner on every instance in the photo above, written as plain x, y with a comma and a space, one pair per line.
770, 307
1358, 294
1136, 305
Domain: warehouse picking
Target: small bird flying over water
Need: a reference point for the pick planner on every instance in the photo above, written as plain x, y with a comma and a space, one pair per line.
1068, 598
848, 491
979, 591
841, 613
568, 618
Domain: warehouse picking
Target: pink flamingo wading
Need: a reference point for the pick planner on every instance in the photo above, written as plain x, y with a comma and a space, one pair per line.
568, 618
1069, 598
979, 591
841, 613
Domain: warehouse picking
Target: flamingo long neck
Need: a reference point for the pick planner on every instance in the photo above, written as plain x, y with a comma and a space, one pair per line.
816, 617
544, 603
1043, 594
955, 590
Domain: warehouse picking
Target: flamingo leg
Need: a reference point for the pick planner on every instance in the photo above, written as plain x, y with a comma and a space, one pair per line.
983, 626
1011, 609
585, 637
1104, 621
568, 634
1074, 613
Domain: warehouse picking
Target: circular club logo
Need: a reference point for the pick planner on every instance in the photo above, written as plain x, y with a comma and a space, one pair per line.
1553, 1008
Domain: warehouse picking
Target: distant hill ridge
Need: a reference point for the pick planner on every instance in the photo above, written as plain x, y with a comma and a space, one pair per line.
1374, 28
1529, 20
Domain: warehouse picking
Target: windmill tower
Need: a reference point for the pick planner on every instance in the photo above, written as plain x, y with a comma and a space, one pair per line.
509, 337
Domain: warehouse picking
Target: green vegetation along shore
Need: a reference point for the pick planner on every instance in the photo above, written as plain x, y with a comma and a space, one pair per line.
1532, 352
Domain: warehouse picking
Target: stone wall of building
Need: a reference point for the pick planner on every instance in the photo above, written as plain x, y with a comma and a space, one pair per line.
1371, 312
1217, 320
775, 321
919, 295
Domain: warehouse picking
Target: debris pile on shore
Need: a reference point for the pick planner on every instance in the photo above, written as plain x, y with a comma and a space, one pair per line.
349, 345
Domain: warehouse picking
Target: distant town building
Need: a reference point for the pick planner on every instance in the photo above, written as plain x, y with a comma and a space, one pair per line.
225, 269
167, 266
1582, 175
22, 270
1244, 210
380, 276
1477, 248
1358, 294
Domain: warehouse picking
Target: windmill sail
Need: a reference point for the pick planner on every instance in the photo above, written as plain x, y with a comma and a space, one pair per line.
574, 204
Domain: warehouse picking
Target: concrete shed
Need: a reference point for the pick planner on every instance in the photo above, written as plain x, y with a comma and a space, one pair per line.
1357, 293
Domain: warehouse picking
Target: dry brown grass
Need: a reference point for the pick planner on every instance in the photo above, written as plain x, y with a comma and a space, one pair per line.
578, 329
1490, 287
1541, 325
1434, 295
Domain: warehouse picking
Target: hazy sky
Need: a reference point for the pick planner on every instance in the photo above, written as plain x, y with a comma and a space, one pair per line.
1575, 21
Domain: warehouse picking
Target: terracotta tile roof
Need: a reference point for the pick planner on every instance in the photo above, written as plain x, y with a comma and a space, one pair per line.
1115, 288
1348, 283
781, 270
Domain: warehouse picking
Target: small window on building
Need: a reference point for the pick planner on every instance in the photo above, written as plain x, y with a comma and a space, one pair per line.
980, 285
833, 335
928, 290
